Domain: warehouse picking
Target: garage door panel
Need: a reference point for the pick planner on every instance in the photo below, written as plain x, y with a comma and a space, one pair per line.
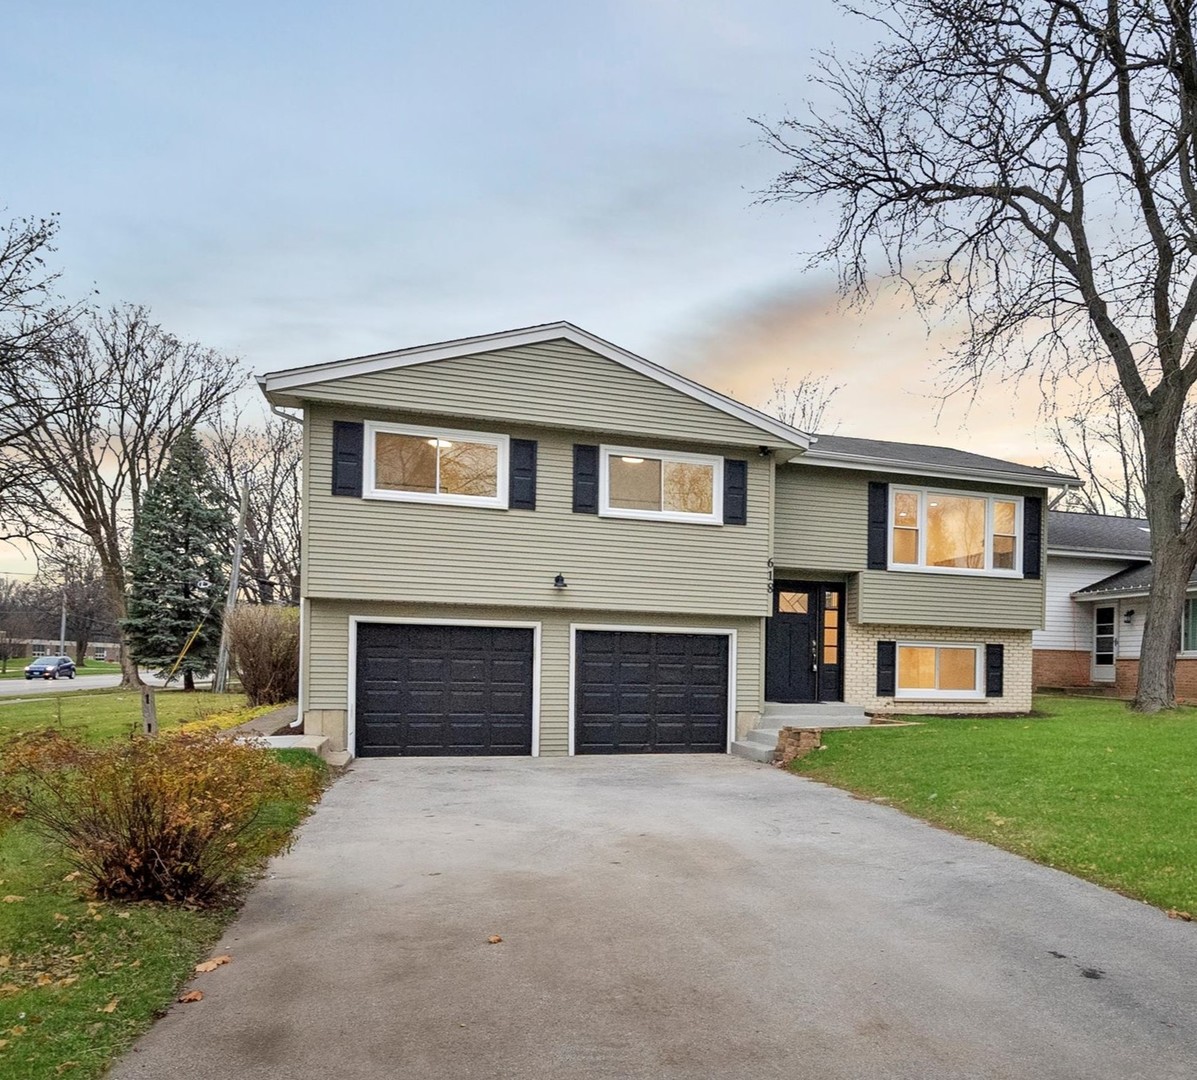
443, 690
647, 692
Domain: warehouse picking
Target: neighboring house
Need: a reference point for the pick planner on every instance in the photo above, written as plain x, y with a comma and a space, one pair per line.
1099, 578
537, 542
96, 650
1082, 639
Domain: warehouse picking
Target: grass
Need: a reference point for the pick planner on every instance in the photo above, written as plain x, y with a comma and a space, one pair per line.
107, 714
80, 980
1084, 785
16, 668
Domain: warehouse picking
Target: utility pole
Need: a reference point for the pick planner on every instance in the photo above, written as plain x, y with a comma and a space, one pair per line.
62, 628
220, 681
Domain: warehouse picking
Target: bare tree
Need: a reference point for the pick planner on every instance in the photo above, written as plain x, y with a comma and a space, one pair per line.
803, 404
69, 574
30, 315
94, 425
268, 457
1033, 165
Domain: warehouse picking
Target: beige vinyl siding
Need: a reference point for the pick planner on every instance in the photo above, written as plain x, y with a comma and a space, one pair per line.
424, 552
556, 384
822, 519
327, 652
822, 525
948, 600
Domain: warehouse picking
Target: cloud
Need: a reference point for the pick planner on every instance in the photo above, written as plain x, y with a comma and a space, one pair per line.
892, 365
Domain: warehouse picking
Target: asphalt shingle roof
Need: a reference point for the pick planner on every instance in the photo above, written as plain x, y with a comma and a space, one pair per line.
921, 454
1098, 532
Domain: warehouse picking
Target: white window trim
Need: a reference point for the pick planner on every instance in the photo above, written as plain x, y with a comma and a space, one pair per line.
715, 517
939, 695
920, 567
501, 442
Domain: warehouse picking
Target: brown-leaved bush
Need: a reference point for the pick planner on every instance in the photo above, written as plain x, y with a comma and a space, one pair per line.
179, 818
264, 644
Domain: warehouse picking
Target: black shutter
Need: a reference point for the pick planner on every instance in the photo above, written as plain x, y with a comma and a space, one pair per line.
348, 443
995, 665
878, 525
1032, 536
887, 668
522, 492
586, 477
735, 492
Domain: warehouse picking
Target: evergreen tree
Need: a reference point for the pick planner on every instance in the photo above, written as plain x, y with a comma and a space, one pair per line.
179, 568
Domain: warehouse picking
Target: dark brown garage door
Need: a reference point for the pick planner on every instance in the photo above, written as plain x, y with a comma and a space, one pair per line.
639, 693
443, 690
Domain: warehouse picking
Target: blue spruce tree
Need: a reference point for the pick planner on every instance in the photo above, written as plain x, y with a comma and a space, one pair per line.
179, 567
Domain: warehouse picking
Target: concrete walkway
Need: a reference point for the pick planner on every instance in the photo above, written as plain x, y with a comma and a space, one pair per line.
687, 917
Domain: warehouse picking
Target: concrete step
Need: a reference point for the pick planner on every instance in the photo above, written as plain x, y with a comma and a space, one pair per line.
753, 751
763, 735
828, 714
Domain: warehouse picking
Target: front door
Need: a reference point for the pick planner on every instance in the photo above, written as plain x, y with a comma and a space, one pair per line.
1105, 643
804, 643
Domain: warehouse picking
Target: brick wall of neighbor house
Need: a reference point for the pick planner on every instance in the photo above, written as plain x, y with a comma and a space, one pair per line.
1126, 679
1062, 667
860, 668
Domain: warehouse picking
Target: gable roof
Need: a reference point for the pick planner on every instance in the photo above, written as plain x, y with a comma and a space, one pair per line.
279, 386
1100, 534
944, 461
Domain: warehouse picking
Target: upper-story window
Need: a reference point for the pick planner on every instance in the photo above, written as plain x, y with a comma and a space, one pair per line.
661, 484
419, 464
954, 532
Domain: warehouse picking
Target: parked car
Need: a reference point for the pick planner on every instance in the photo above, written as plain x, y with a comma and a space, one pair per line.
51, 667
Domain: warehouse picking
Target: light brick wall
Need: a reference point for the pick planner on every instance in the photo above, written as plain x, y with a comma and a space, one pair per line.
860, 668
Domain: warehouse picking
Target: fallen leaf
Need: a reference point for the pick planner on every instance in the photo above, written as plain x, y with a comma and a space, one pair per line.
123, 914
9, 988
110, 1007
68, 981
3, 1043
18, 1030
5, 961
59, 917
1183, 915
13, 899
44, 979
72, 875
191, 996
66, 1065
494, 939
212, 965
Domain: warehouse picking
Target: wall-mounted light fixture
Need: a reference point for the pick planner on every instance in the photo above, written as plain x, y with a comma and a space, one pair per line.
1128, 616
559, 581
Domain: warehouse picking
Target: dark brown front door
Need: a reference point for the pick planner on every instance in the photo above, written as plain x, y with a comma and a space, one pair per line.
804, 643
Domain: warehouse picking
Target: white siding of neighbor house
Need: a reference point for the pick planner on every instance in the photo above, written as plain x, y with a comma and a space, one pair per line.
1068, 624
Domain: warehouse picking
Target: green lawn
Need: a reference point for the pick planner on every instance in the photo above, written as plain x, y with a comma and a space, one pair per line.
1084, 785
79, 981
16, 668
106, 714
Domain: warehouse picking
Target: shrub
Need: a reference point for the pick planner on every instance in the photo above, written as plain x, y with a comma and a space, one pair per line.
179, 819
264, 645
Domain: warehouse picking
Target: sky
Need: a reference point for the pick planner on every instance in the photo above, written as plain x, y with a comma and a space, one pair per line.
300, 182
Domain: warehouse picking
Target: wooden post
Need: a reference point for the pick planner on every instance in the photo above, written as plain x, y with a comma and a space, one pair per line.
149, 712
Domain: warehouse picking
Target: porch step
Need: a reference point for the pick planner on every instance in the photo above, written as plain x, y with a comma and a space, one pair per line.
753, 751
824, 714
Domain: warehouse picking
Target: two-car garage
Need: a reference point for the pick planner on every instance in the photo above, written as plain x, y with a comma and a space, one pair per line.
449, 688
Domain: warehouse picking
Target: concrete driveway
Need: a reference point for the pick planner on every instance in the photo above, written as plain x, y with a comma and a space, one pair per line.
669, 918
